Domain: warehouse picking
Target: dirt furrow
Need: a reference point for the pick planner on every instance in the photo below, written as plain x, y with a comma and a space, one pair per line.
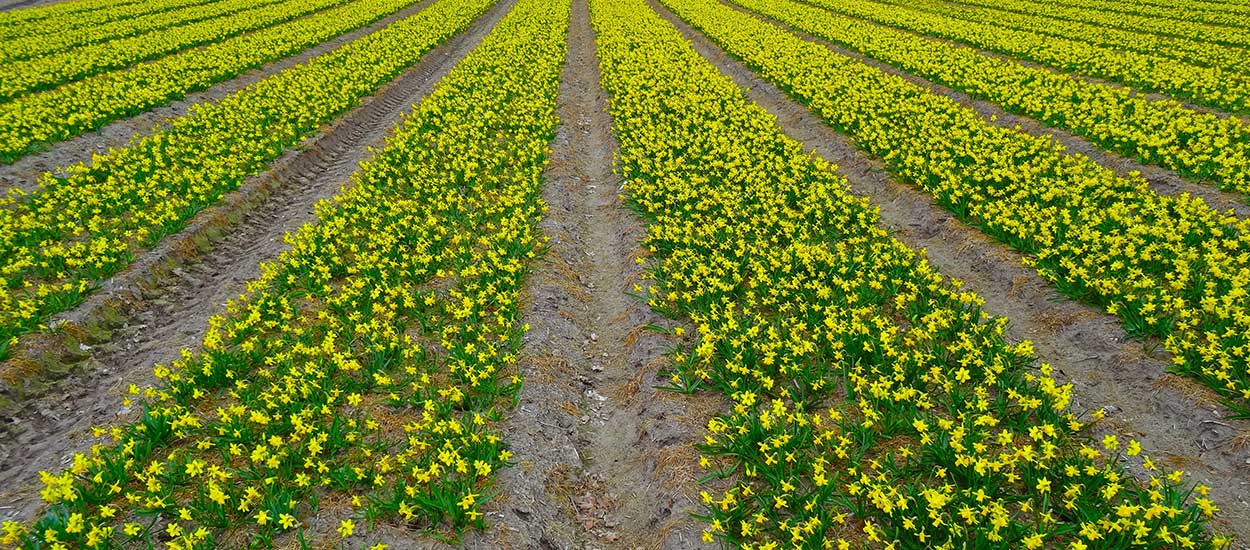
23, 173
604, 458
1175, 418
1162, 180
172, 315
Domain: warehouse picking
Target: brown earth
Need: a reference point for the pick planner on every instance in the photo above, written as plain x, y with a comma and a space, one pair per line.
606, 459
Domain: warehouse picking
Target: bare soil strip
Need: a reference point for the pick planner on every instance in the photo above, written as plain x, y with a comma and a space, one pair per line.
603, 458
1176, 419
24, 173
46, 432
1162, 180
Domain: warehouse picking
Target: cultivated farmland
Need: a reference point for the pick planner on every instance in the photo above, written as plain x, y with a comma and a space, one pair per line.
886, 274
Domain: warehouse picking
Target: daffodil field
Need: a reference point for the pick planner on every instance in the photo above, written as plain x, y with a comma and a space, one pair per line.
38, 45
1206, 85
1181, 25
32, 75
1207, 54
38, 119
1163, 132
73, 15
75, 230
372, 358
361, 357
941, 434
1168, 266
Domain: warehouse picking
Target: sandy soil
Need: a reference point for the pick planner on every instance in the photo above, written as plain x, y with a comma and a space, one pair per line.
605, 459
1175, 418
23, 173
46, 432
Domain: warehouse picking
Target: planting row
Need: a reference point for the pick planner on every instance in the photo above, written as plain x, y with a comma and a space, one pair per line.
39, 45
70, 16
1208, 86
18, 78
874, 405
75, 230
18, 17
37, 120
1201, 146
1167, 266
1102, 17
1206, 13
1206, 54
360, 377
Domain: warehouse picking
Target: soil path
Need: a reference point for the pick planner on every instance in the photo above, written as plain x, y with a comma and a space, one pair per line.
605, 460
24, 173
46, 432
1175, 418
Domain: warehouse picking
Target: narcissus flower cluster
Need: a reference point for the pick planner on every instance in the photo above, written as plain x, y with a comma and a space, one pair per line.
1202, 146
1168, 266
368, 364
873, 404
73, 231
